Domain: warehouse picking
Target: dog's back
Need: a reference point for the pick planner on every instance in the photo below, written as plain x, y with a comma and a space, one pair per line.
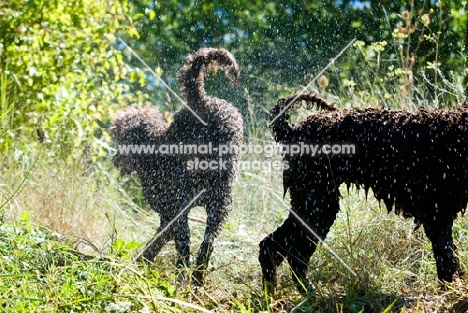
404, 157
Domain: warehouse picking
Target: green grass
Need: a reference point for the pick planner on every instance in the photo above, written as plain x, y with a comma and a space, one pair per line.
40, 273
69, 232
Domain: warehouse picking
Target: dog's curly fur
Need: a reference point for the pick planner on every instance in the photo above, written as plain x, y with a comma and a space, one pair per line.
415, 162
168, 184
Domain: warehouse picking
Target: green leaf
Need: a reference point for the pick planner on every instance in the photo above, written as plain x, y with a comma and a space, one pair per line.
151, 14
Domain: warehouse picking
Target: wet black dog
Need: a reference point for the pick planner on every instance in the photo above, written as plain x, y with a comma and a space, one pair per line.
415, 162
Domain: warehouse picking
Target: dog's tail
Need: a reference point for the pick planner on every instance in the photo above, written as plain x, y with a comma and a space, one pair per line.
193, 72
278, 116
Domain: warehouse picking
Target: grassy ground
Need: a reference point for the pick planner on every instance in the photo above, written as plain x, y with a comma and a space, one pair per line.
68, 233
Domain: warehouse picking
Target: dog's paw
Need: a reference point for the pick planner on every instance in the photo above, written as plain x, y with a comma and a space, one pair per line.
198, 278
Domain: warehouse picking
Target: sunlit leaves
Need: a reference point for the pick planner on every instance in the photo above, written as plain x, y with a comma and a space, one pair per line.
67, 68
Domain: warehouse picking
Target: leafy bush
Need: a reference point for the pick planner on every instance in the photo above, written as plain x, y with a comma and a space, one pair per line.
60, 71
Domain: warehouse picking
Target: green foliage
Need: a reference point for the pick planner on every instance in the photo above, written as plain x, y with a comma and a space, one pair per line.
411, 68
282, 45
61, 74
40, 274
60, 71
125, 249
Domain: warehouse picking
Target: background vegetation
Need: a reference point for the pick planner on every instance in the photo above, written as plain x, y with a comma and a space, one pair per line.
69, 223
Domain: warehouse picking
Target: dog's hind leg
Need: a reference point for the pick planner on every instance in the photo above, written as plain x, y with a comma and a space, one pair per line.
162, 236
217, 208
439, 232
182, 241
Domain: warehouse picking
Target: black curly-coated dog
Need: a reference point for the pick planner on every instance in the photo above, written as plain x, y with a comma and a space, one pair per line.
170, 180
415, 162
